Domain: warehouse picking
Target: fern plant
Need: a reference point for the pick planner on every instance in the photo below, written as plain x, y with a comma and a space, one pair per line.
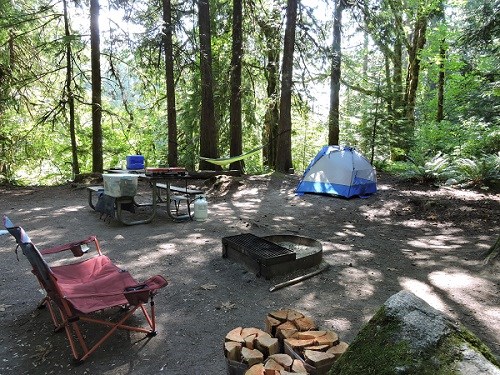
478, 171
435, 169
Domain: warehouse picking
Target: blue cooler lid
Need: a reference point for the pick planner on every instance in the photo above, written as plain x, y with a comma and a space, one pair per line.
135, 162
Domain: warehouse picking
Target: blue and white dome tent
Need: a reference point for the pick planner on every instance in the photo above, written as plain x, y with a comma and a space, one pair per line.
340, 171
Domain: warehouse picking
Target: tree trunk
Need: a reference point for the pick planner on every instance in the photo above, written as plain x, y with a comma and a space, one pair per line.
375, 122
284, 150
417, 45
397, 123
208, 129
440, 103
388, 84
172, 157
366, 46
6, 82
236, 147
270, 30
334, 114
95, 59
271, 119
440, 18
75, 166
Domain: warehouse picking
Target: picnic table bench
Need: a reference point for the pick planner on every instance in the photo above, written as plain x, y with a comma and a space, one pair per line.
181, 194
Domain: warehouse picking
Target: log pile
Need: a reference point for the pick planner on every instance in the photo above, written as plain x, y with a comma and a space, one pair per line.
290, 344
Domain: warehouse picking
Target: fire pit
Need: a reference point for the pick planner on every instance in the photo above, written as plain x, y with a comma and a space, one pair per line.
271, 256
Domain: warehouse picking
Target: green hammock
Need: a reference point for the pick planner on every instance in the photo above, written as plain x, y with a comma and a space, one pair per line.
226, 161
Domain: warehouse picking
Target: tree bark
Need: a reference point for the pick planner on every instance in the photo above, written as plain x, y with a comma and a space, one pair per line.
75, 166
284, 151
208, 129
440, 103
6, 82
417, 45
172, 156
397, 123
95, 59
236, 147
334, 114
388, 84
270, 30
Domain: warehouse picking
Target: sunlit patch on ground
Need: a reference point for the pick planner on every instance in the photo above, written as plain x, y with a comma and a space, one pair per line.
424, 291
470, 291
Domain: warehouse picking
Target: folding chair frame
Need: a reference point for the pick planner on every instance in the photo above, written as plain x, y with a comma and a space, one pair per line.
69, 318
69, 323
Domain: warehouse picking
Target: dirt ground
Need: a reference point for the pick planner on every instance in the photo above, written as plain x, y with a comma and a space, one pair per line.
425, 239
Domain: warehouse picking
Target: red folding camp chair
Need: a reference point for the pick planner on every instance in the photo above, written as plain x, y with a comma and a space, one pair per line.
76, 291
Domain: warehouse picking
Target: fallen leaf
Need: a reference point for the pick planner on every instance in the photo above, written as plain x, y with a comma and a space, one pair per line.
208, 286
4, 306
41, 353
226, 306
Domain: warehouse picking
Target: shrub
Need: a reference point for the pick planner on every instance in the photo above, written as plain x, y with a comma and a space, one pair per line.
433, 170
478, 171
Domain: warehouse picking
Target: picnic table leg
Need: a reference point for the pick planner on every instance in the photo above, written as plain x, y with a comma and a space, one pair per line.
91, 204
135, 222
169, 208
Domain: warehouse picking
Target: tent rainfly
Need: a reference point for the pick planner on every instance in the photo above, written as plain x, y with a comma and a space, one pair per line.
341, 171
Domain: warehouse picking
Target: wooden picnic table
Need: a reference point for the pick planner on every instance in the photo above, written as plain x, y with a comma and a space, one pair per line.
162, 192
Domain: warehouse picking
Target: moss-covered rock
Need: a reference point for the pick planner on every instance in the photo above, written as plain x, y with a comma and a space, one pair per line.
407, 336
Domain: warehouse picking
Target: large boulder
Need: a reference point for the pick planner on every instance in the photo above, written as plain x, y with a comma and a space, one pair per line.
407, 336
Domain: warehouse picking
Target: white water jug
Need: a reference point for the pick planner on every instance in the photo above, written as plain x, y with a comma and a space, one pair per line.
200, 208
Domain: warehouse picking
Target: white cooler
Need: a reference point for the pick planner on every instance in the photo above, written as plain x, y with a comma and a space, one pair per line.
120, 184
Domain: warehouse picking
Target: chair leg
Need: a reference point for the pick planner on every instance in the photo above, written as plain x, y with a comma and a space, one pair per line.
58, 326
82, 351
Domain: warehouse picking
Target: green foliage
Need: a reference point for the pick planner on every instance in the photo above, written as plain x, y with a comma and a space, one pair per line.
470, 149
477, 138
478, 171
34, 135
433, 170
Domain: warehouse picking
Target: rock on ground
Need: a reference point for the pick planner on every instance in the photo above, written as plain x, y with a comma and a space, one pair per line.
408, 336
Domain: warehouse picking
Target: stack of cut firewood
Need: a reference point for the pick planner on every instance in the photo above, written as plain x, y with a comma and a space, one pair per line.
290, 344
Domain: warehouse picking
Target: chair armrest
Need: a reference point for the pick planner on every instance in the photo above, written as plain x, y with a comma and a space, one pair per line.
75, 247
140, 293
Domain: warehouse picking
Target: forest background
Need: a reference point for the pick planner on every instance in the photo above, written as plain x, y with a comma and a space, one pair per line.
413, 84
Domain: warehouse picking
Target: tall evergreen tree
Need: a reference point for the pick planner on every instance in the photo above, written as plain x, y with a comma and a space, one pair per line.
95, 57
70, 96
236, 146
170, 84
284, 152
334, 115
269, 27
208, 128
414, 50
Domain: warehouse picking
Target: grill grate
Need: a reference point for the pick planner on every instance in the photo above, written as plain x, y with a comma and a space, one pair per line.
263, 251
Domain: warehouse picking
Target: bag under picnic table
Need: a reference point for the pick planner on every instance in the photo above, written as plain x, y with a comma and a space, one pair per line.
107, 204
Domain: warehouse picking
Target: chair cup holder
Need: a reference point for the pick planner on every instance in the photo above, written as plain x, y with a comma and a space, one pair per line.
77, 251
137, 294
